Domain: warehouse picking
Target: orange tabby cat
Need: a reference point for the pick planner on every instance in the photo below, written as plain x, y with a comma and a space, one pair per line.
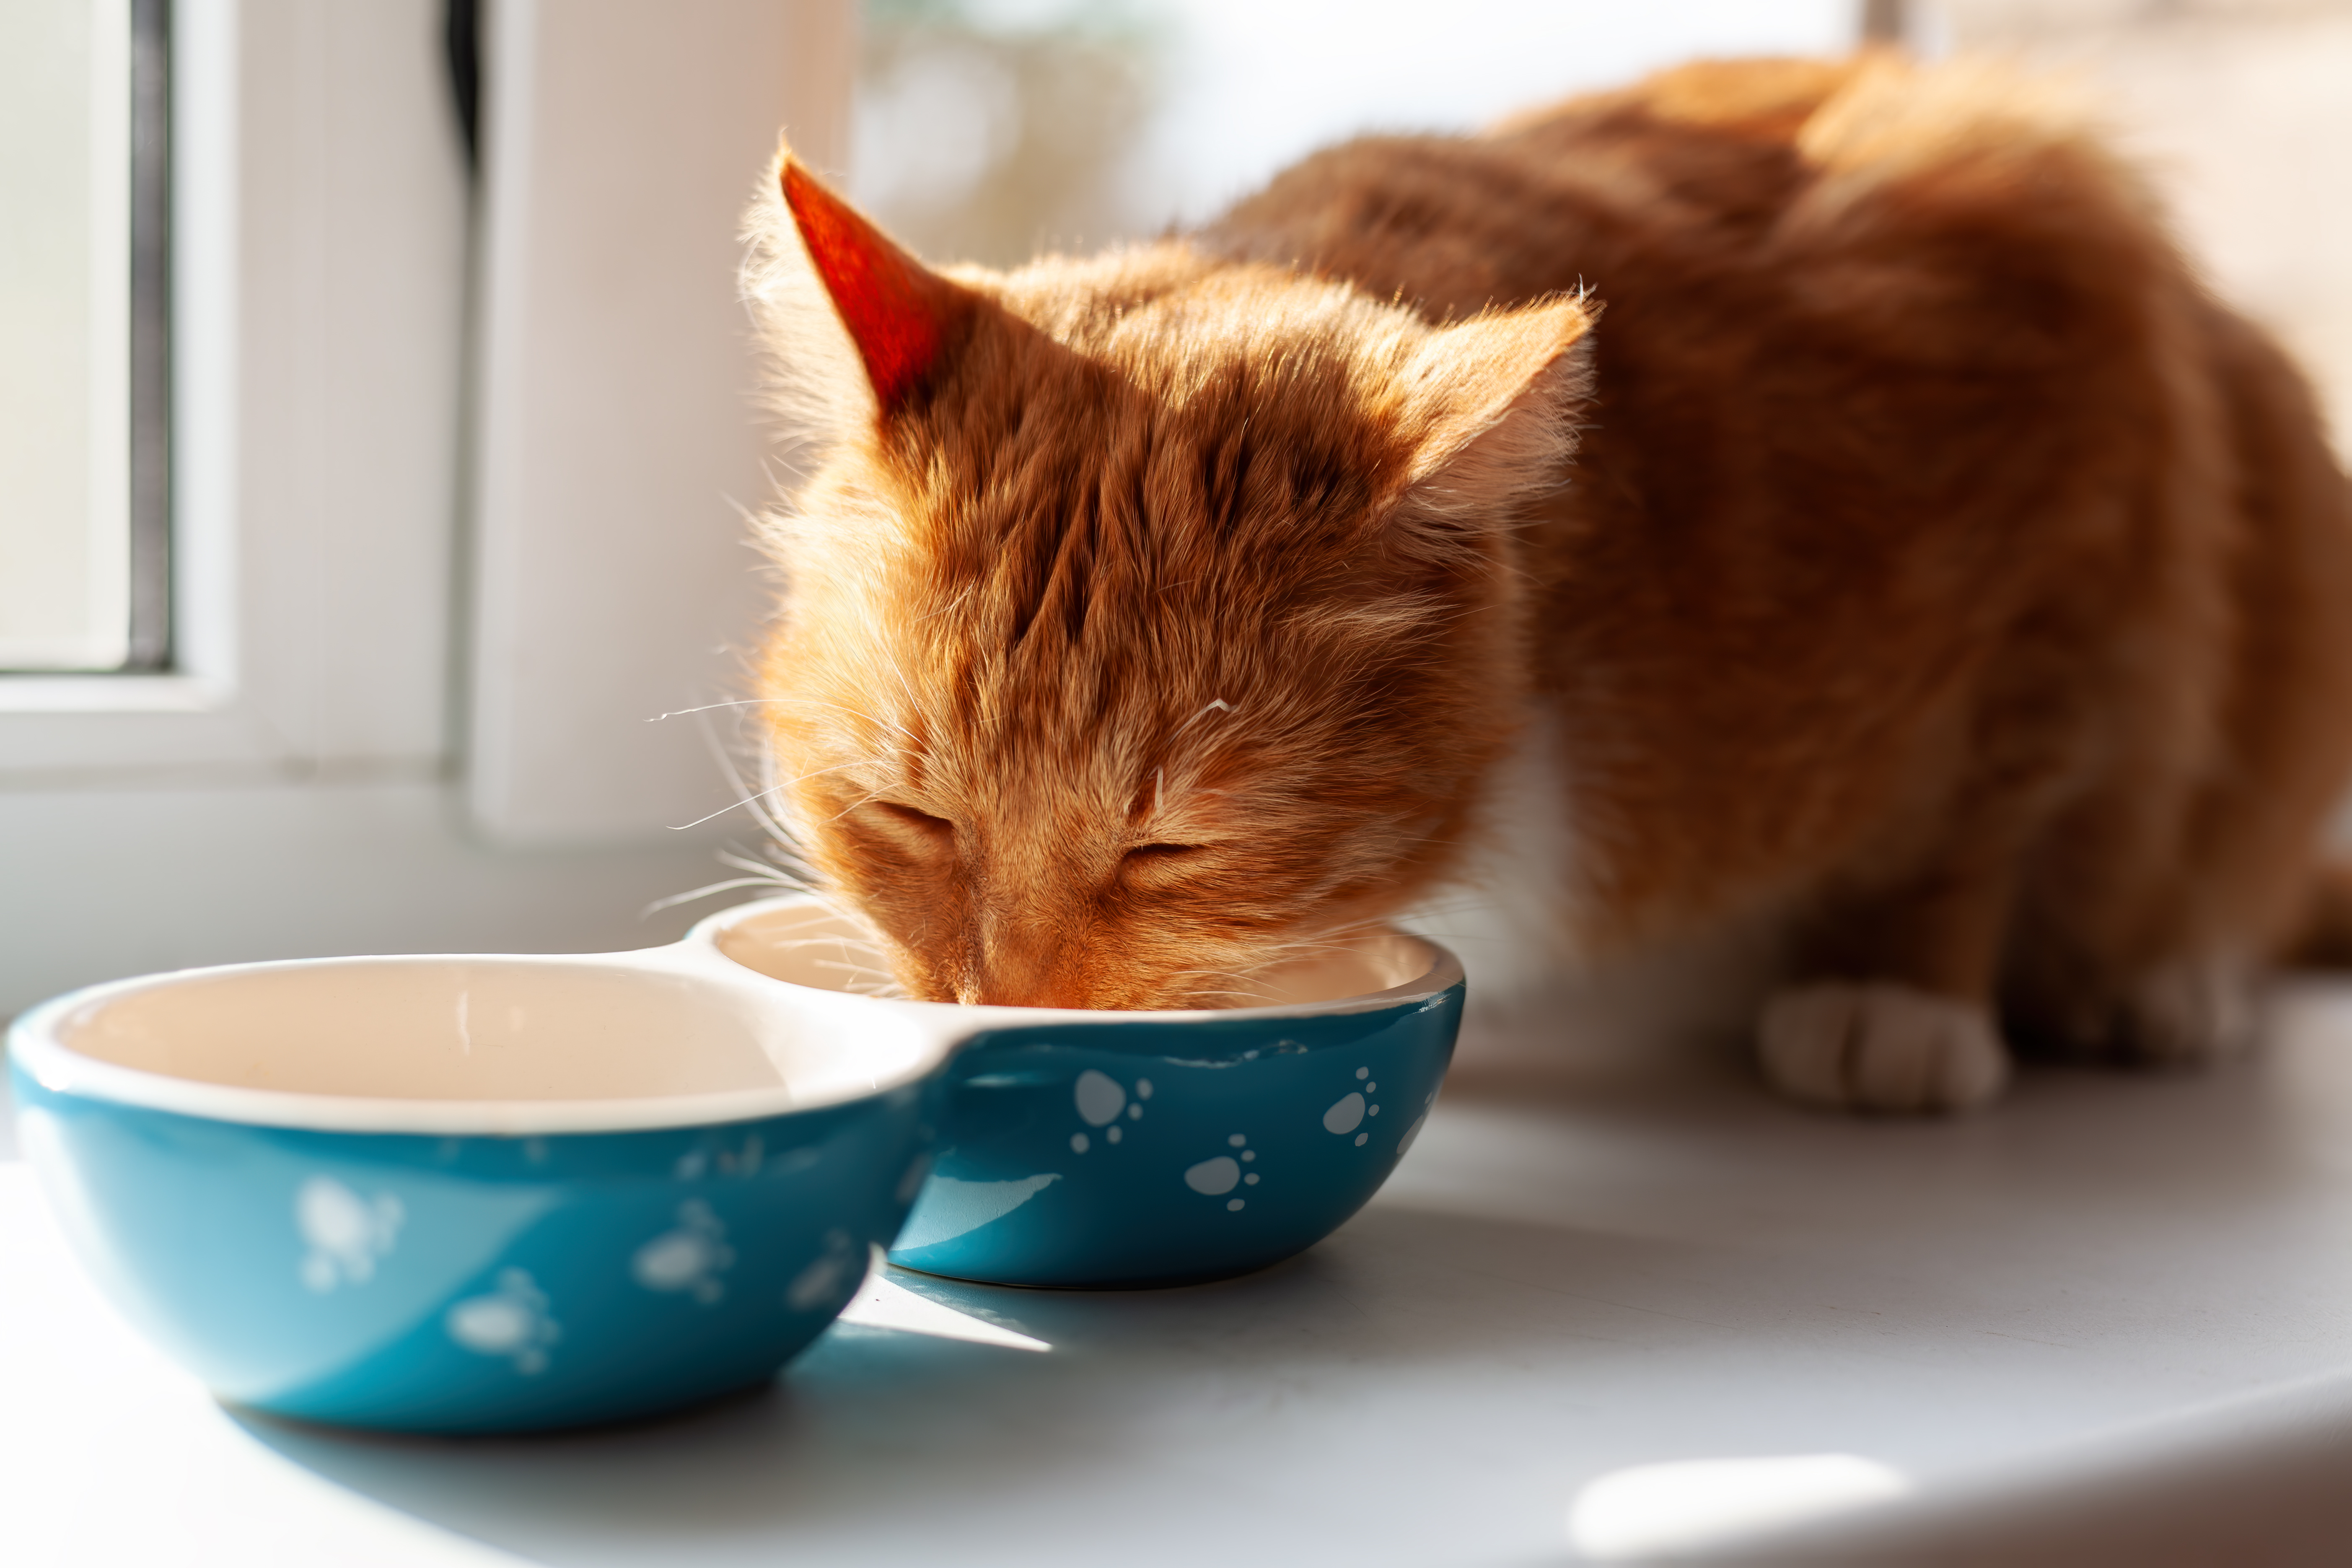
1942, 574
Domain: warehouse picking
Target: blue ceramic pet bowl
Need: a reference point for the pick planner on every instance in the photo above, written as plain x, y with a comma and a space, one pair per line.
1083, 1149
468, 1194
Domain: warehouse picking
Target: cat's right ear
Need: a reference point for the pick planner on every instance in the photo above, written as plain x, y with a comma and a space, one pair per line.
1494, 403
858, 327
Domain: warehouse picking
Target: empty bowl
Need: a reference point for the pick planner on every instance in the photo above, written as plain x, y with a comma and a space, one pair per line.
1123, 1149
462, 1195
500, 1194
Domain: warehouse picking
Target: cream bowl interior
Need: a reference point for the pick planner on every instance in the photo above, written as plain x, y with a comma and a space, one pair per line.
809, 944
459, 1044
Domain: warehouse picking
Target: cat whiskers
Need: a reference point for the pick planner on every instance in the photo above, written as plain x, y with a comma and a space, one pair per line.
786, 868
912, 738
863, 979
703, 892
712, 708
1246, 979
777, 788
794, 877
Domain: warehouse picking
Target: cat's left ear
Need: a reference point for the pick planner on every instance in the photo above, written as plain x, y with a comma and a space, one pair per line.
1496, 402
823, 278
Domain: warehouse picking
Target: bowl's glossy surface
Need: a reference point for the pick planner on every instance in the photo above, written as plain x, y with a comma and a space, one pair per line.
1120, 1148
474, 1194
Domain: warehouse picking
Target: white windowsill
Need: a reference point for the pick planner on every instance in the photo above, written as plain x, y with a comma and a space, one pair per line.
112, 694
2101, 1323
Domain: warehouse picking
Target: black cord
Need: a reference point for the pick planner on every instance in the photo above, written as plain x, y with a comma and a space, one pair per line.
461, 39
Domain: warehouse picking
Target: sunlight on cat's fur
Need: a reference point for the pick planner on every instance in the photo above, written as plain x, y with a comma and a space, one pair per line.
1830, 468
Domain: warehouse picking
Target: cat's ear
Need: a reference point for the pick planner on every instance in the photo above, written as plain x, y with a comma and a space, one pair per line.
1495, 401
823, 279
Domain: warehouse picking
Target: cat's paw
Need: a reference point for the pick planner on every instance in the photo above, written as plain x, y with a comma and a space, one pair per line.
2187, 1014
1880, 1046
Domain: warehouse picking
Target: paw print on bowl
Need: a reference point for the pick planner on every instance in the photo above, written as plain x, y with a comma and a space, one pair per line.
1349, 1111
1100, 1099
688, 1259
827, 1283
1404, 1144
346, 1233
1221, 1174
511, 1321
743, 1160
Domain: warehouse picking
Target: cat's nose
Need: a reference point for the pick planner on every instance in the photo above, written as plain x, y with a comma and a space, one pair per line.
1034, 995
1027, 987
1012, 970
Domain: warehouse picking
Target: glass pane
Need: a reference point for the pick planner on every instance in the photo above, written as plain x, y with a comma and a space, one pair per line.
988, 130
65, 263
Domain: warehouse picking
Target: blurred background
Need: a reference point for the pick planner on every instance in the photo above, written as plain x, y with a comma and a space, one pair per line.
991, 130
374, 423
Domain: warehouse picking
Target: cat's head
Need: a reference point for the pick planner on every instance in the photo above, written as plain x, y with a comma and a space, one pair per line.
1146, 617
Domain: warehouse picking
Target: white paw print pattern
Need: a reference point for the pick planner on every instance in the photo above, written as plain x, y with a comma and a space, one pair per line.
1100, 1099
744, 1160
346, 1232
1347, 1112
689, 1258
1413, 1132
1221, 1174
839, 1267
511, 1321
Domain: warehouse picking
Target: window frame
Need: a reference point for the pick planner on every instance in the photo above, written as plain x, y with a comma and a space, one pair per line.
259, 614
148, 647
305, 646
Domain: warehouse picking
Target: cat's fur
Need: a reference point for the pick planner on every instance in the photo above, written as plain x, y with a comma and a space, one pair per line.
1942, 573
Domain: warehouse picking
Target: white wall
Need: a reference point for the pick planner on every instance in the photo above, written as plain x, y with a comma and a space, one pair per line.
618, 449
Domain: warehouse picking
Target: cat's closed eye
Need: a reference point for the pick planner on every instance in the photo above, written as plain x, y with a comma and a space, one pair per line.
1163, 851
933, 827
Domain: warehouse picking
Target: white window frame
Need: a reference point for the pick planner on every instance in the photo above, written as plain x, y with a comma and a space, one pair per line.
310, 603
320, 274
296, 785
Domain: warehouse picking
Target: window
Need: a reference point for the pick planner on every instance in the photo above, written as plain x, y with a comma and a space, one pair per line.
293, 780
84, 375
986, 130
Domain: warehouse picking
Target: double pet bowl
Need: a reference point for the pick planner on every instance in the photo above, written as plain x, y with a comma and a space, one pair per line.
495, 1194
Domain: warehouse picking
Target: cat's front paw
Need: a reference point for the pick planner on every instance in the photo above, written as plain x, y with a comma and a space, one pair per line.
1880, 1046
2189, 1014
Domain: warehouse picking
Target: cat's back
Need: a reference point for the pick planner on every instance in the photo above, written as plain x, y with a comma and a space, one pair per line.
1898, 374
1686, 171
1851, 283
1722, 185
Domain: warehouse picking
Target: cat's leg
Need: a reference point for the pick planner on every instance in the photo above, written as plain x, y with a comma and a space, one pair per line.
1889, 1009
2149, 913
2195, 1005
1879, 1046
2122, 953
2189, 1012
2144, 915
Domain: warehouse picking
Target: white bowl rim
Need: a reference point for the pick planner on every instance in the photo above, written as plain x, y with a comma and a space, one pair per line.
36, 1047
1445, 973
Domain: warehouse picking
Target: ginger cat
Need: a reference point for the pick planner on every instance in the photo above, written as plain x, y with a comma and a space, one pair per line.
1942, 573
